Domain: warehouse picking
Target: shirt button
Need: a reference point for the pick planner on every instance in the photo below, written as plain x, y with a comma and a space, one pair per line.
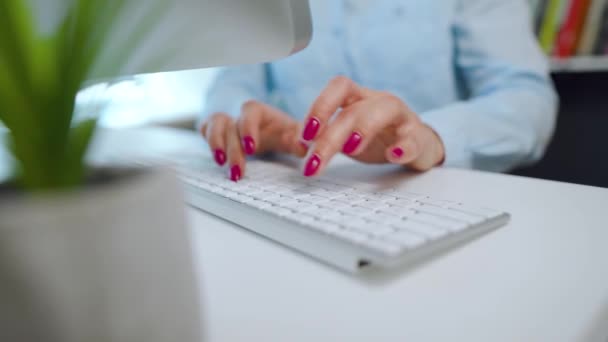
399, 11
350, 7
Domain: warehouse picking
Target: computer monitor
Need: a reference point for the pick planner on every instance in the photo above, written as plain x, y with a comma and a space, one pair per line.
194, 34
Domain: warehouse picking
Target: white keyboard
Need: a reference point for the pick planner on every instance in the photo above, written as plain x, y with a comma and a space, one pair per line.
346, 224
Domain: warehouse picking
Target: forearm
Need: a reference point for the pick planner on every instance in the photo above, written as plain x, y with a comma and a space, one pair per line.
497, 131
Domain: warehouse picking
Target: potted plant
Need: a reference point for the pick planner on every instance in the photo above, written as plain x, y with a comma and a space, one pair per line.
85, 254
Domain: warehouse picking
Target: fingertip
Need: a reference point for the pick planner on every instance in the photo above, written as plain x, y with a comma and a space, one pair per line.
353, 142
400, 154
248, 145
397, 152
203, 129
301, 149
311, 128
235, 173
312, 166
219, 156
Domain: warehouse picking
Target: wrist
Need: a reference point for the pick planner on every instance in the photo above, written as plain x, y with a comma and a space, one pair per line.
433, 151
438, 147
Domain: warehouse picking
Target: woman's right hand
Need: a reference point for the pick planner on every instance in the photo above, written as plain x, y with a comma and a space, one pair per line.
259, 129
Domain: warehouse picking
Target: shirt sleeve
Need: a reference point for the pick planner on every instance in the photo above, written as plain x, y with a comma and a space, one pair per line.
232, 87
509, 113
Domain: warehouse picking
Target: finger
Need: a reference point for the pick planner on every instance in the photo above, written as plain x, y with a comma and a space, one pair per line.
419, 148
340, 92
214, 131
236, 158
262, 128
252, 115
404, 151
380, 114
290, 143
353, 130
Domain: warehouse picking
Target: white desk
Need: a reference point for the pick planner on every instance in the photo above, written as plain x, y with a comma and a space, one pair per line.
543, 277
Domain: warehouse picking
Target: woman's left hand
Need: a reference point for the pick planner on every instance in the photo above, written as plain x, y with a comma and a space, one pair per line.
369, 126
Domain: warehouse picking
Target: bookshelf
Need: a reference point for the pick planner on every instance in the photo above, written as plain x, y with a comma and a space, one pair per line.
580, 64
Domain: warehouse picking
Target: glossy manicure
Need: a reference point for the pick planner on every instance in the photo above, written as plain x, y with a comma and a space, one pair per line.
220, 157
311, 129
352, 143
235, 173
249, 145
312, 165
397, 152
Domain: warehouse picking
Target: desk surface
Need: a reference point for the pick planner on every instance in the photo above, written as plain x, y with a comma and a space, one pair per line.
543, 277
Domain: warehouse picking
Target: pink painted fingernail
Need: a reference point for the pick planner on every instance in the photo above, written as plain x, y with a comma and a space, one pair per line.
352, 143
220, 157
311, 130
397, 152
249, 145
312, 165
235, 173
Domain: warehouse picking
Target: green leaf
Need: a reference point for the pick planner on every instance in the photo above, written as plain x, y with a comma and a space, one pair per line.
40, 76
80, 137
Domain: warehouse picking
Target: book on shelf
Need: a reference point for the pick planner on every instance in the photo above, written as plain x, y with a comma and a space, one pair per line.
591, 28
549, 24
569, 34
601, 43
568, 28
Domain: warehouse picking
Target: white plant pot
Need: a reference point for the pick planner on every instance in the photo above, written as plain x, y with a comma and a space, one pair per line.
111, 262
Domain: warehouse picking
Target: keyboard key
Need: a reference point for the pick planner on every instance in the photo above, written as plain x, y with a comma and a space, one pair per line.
372, 228
406, 239
336, 205
302, 218
484, 212
439, 221
259, 204
397, 211
349, 199
326, 227
386, 248
352, 236
307, 207
280, 211
428, 231
372, 204
292, 204
437, 203
356, 211
384, 218
402, 203
314, 199
450, 213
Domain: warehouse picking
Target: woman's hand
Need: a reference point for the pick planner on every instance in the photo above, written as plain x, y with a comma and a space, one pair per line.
370, 126
259, 129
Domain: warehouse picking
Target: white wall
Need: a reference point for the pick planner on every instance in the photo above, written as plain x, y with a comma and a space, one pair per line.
145, 99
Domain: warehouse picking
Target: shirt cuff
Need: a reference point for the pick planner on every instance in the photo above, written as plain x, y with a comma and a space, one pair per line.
230, 104
448, 123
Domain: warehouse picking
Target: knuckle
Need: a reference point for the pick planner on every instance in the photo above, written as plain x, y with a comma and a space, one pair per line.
340, 81
249, 106
328, 144
393, 102
390, 98
219, 116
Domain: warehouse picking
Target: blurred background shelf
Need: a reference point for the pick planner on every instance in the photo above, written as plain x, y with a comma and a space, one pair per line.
580, 64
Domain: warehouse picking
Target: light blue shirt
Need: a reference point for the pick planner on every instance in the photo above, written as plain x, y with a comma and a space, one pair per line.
471, 69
